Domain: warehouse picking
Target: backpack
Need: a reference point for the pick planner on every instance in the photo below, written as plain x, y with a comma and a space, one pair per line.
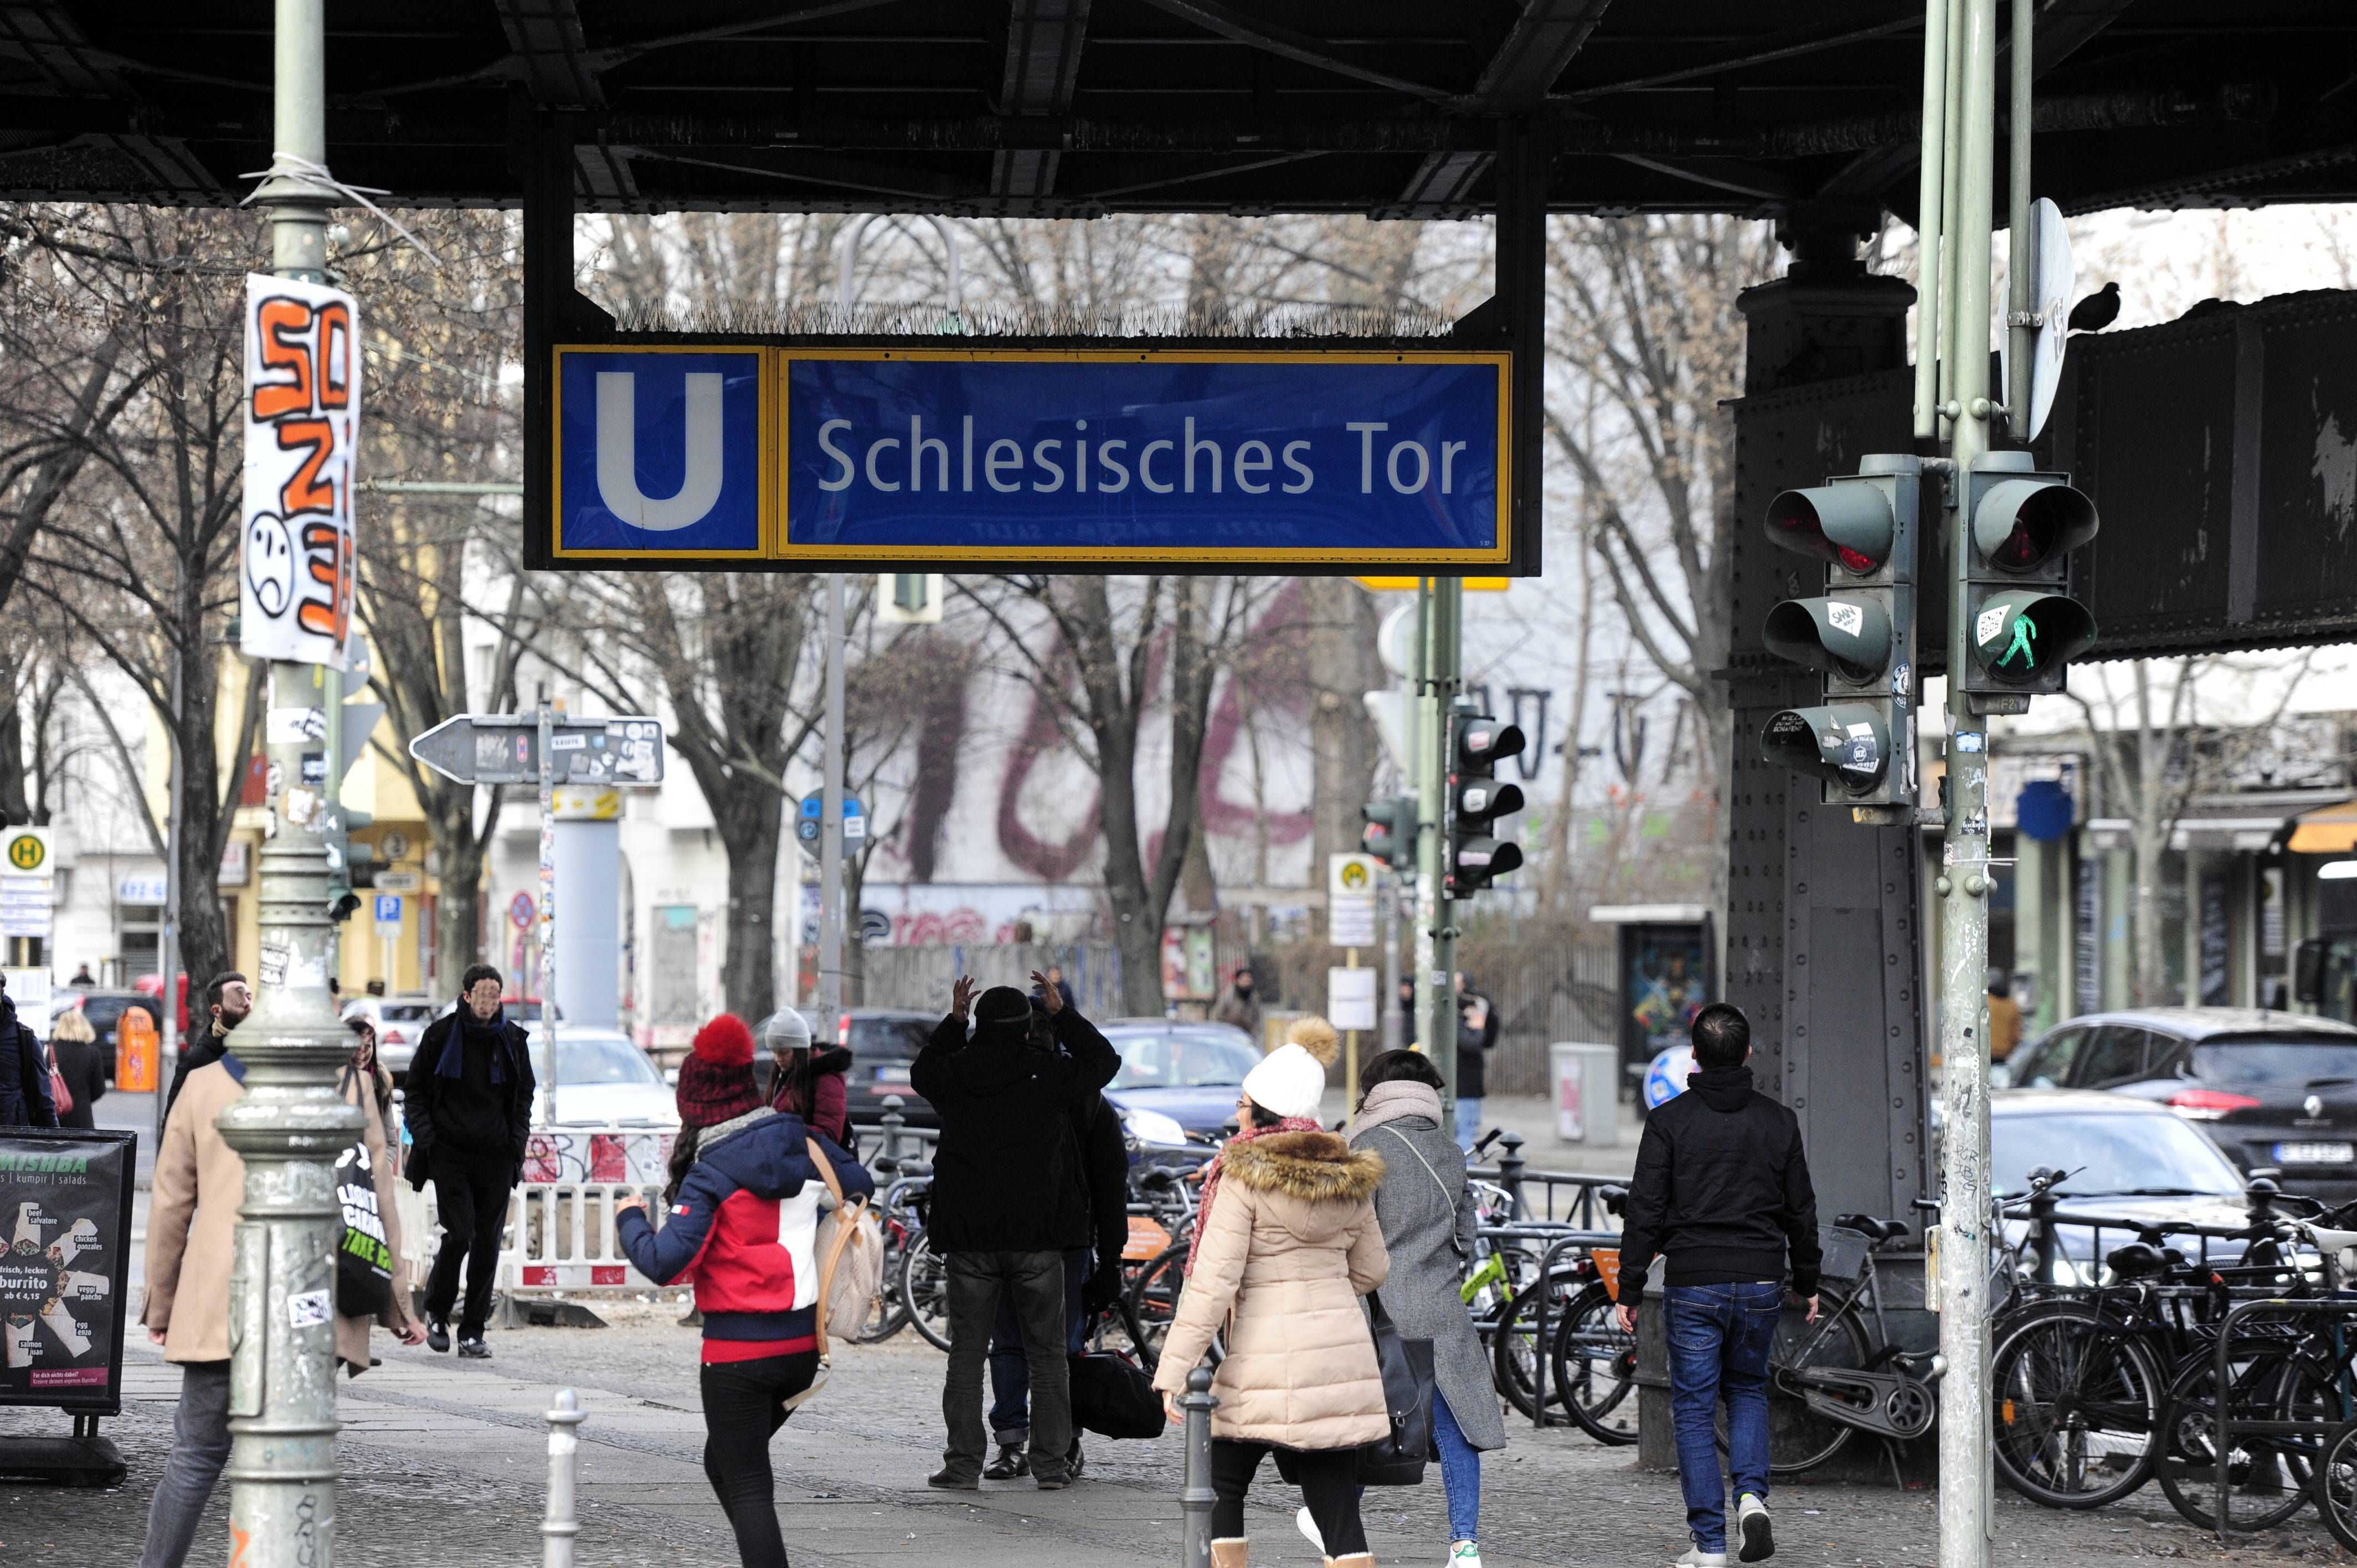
850, 1246
363, 1260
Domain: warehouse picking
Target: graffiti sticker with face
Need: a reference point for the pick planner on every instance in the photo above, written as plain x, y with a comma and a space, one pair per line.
302, 428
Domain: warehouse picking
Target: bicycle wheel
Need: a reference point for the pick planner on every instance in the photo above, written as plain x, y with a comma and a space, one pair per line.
1154, 1296
924, 1290
2268, 1479
1516, 1364
2334, 1485
1595, 1369
1800, 1437
2075, 1406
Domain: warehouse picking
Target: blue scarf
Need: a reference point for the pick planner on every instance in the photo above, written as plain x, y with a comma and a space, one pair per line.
454, 1062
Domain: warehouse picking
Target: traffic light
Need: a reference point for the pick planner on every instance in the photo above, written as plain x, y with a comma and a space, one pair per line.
1390, 832
2025, 628
349, 725
1475, 853
1859, 635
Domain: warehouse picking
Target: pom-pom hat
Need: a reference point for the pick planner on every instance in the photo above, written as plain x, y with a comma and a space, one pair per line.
1288, 1081
716, 1082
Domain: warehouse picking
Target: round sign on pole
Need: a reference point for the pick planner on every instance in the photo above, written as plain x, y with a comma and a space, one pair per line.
520, 909
1665, 1078
26, 850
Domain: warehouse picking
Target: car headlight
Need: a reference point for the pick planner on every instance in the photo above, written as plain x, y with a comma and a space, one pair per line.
1154, 1127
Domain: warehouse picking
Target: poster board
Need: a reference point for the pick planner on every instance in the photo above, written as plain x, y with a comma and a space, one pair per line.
65, 1278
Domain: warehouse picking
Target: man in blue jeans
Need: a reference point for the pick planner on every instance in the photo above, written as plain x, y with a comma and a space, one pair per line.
1721, 1193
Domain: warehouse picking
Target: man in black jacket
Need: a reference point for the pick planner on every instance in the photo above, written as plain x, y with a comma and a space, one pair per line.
228, 999
25, 1098
469, 1103
1099, 1163
1722, 1193
1007, 1204
1477, 1036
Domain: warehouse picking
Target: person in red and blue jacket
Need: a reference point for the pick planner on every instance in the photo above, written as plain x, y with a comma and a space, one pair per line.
742, 1224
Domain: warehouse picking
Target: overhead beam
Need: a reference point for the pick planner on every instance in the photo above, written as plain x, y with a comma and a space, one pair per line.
46, 35
1044, 39
1298, 47
1535, 52
553, 53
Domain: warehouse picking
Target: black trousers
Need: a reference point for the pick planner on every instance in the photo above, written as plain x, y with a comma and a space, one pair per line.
1329, 1485
744, 1405
470, 1195
1035, 1281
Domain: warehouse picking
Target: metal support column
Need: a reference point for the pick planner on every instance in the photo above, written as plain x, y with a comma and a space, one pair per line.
2021, 250
1443, 679
830, 830
291, 1123
1964, 883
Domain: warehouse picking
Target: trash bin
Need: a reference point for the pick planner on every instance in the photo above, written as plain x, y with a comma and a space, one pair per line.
1586, 1093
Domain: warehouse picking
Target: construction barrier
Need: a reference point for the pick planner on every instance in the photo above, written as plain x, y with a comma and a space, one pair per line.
560, 1238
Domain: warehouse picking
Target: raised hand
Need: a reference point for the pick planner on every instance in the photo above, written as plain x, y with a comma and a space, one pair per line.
1049, 997
962, 996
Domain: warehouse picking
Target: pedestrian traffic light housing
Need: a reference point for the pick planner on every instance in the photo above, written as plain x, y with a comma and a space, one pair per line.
2024, 629
1476, 854
351, 720
1390, 831
1858, 636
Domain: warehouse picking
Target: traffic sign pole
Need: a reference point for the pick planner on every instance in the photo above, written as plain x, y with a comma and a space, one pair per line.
291, 1123
544, 1101
830, 827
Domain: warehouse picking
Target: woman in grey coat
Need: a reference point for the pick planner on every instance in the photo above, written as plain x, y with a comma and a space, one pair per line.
1427, 1213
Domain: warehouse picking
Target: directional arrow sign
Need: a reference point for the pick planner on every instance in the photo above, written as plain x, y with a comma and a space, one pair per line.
504, 748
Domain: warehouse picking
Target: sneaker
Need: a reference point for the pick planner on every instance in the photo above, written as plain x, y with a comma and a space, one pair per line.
1755, 1537
1695, 1557
1309, 1528
437, 1334
474, 1349
949, 1480
1010, 1463
1464, 1555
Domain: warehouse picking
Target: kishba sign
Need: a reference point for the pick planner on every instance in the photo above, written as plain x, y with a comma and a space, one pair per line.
1107, 458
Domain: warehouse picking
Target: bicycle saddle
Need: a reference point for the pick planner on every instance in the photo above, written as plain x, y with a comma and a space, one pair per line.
1868, 1226
915, 1170
2136, 1260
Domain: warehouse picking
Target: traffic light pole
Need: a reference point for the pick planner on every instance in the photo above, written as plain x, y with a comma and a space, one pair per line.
1440, 624
291, 1123
1963, 884
830, 828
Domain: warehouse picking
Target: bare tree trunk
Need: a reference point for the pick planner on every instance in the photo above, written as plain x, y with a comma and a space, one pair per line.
1342, 741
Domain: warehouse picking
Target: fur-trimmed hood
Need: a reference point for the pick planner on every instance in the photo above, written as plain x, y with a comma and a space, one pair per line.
1316, 1168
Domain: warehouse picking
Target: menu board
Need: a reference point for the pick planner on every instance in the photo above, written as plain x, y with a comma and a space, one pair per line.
65, 1222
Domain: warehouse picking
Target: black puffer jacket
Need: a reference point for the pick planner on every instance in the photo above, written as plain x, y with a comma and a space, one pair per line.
1721, 1190
1006, 1178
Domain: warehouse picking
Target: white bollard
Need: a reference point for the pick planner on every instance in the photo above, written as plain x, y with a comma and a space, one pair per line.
560, 1527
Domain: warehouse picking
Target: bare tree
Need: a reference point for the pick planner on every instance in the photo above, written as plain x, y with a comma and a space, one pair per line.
135, 551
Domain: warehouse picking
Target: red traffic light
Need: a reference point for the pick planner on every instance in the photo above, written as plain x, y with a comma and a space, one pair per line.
1849, 525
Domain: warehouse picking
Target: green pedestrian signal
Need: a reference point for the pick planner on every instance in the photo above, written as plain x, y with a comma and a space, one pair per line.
2025, 628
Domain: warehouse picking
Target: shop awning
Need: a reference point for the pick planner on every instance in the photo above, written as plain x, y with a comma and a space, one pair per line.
2328, 829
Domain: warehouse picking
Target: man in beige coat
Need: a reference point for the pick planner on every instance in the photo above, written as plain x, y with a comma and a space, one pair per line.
192, 1226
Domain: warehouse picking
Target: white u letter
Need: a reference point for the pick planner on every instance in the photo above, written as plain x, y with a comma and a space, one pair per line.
618, 453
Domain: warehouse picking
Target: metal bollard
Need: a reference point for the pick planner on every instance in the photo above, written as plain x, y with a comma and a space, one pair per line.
891, 1122
1510, 1172
561, 1526
1194, 1497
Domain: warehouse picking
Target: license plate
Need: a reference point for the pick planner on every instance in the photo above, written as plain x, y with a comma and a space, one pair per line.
2315, 1154
891, 1075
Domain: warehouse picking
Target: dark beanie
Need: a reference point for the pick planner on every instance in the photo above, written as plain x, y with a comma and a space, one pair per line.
1002, 1009
716, 1082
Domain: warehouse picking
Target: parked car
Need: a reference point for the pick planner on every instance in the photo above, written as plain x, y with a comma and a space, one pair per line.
400, 1023
105, 1009
2272, 1089
2130, 1158
1179, 1080
603, 1080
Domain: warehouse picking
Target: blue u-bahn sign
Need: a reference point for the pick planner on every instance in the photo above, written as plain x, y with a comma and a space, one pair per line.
1254, 458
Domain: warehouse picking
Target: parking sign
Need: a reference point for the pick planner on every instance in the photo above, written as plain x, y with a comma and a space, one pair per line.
388, 913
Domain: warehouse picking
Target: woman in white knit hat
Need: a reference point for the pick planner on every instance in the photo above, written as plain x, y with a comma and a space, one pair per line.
1286, 1243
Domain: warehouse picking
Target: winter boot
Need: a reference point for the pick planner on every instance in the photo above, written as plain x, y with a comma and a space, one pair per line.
1229, 1552
1356, 1559
1011, 1462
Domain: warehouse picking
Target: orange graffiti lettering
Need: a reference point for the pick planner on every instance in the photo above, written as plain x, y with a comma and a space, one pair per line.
335, 356
240, 1548
286, 345
323, 544
305, 490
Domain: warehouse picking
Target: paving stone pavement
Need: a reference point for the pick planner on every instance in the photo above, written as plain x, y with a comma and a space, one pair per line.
443, 1464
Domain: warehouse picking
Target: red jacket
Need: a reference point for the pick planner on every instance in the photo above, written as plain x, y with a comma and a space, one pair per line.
744, 1228
828, 1107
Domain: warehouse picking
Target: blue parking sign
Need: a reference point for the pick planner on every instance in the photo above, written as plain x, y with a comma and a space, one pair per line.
388, 908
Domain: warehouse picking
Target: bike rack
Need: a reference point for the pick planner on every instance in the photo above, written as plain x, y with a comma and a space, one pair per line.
2227, 1427
1559, 1240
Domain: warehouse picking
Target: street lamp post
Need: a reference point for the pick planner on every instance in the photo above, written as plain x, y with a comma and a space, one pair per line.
292, 1124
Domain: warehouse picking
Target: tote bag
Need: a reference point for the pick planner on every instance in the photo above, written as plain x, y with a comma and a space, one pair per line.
850, 1245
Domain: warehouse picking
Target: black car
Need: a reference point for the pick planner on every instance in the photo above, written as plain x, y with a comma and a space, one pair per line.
2272, 1089
884, 1045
